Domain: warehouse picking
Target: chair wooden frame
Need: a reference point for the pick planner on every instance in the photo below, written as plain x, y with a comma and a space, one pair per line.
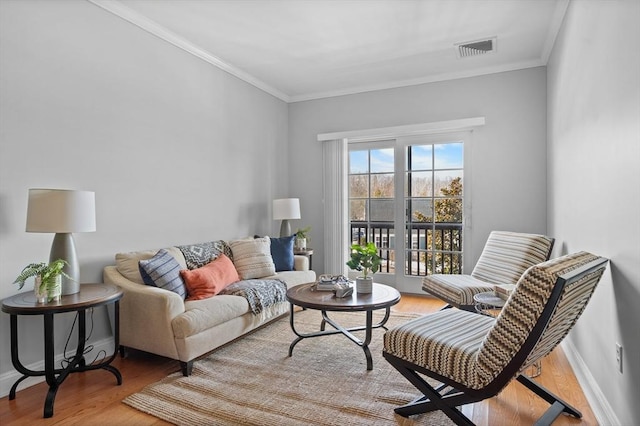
451, 394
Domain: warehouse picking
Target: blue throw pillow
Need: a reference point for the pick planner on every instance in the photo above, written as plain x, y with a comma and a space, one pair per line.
163, 271
282, 253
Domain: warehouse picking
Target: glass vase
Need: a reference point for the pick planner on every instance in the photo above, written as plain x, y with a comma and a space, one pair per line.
49, 291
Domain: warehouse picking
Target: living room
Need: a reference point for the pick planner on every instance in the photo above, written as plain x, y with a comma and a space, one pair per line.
180, 151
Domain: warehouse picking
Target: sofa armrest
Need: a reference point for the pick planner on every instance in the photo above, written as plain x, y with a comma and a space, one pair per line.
146, 314
300, 262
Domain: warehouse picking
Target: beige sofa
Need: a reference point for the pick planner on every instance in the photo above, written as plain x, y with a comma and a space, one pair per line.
159, 321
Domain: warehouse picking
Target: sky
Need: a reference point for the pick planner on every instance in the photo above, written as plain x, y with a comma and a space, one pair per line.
447, 156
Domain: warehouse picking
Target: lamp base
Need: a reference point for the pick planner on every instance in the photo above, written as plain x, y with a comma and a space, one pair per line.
285, 228
63, 247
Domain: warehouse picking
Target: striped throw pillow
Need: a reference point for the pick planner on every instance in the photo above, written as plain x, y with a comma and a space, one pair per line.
163, 271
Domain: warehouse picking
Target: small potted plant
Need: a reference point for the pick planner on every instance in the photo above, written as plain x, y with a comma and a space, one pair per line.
48, 279
302, 237
364, 258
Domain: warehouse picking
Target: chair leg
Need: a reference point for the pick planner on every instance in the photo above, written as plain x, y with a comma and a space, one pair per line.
558, 405
432, 400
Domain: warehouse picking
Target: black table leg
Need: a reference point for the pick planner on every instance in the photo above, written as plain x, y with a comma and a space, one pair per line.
49, 367
15, 359
347, 332
54, 377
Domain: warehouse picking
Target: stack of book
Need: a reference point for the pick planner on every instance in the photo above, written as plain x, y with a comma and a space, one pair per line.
325, 285
503, 291
328, 282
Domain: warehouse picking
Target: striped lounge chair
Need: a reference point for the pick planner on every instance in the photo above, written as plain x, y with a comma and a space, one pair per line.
505, 257
475, 356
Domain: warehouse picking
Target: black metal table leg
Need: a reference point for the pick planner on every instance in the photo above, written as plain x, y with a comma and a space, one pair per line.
49, 367
338, 329
90, 296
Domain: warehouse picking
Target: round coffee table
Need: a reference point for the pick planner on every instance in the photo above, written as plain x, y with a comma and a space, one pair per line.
381, 297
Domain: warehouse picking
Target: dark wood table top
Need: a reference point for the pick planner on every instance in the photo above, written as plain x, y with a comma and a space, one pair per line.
90, 295
382, 296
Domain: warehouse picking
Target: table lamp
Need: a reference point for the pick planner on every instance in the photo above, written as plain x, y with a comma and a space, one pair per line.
63, 212
285, 209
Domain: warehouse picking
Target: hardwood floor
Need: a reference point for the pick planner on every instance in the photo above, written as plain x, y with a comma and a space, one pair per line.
93, 399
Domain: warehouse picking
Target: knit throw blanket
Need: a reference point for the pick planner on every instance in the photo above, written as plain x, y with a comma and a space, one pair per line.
261, 294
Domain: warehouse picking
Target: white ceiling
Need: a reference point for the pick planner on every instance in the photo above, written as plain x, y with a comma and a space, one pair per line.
307, 49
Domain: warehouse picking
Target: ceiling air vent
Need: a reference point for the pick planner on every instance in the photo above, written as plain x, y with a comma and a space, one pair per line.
475, 48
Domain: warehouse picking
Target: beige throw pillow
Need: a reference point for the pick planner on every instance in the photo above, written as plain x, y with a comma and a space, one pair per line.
127, 263
252, 258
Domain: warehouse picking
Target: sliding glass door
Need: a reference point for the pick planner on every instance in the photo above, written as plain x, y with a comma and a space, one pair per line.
406, 195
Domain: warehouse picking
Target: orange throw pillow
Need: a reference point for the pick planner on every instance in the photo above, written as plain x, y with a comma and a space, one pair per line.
210, 279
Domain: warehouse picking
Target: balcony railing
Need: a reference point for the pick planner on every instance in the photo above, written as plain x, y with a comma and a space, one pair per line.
433, 248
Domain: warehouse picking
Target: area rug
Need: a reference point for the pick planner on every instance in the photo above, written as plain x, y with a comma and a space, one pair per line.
253, 381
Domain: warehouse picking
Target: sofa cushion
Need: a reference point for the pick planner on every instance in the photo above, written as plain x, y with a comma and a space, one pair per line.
293, 278
282, 253
127, 263
201, 315
198, 255
252, 257
210, 279
163, 271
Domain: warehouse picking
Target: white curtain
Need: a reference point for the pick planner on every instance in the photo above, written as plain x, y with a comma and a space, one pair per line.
336, 225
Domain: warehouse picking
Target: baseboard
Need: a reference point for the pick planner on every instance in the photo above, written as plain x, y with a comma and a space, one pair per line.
9, 378
596, 398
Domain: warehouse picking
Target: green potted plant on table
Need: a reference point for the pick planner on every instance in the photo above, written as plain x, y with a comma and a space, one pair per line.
48, 279
302, 237
364, 258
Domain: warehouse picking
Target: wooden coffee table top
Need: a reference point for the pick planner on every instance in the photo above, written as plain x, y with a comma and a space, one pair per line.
382, 296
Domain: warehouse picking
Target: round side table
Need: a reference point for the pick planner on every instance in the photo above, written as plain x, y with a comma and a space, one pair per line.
488, 303
89, 296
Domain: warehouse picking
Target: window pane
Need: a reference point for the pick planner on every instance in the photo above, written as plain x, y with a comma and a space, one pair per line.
382, 186
448, 263
448, 183
357, 210
449, 210
419, 157
448, 238
382, 160
448, 156
382, 210
416, 263
358, 233
421, 210
358, 162
420, 183
358, 186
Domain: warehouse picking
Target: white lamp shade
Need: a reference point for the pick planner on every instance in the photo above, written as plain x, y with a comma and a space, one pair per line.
286, 208
61, 211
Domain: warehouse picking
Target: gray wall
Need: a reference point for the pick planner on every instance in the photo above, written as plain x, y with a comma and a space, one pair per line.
176, 150
594, 183
508, 170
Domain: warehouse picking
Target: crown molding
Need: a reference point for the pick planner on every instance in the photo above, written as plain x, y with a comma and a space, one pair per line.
418, 81
152, 27
405, 130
